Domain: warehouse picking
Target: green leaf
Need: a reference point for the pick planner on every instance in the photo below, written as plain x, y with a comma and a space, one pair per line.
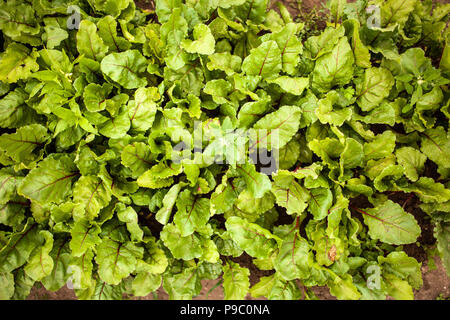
382, 146
89, 43
257, 183
236, 281
14, 112
412, 161
442, 235
185, 248
294, 259
84, 237
126, 68
19, 247
107, 30
289, 194
295, 86
51, 181
375, 87
264, 61
61, 258
142, 109
90, 195
435, 144
389, 223
224, 61
284, 122
256, 241
360, 51
290, 47
144, 283
17, 62
95, 96
40, 263
116, 260
130, 217
396, 12
320, 202
20, 145
192, 212
9, 181
137, 157
163, 214
204, 42
334, 68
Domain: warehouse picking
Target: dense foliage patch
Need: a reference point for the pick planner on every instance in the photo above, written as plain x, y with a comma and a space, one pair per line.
92, 117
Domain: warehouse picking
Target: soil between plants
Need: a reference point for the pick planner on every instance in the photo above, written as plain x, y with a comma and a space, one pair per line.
436, 283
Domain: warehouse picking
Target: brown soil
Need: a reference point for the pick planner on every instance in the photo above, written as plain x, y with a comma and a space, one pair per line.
436, 283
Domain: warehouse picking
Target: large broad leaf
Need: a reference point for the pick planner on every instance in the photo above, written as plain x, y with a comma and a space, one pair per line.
18, 21
40, 263
403, 266
183, 285
186, 248
428, 190
375, 87
236, 281
192, 212
389, 223
89, 43
224, 61
51, 181
84, 237
14, 112
20, 145
435, 144
107, 30
396, 11
165, 7
290, 47
6, 286
255, 240
90, 195
137, 157
95, 96
9, 181
284, 123
203, 42
126, 68
291, 85
20, 247
173, 32
334, 68
257, 183
129, 216
412, 161
17, 63
290, 194
61, 257
116, 260
142, 109
264, 61
360, 51
295, 259
320, 201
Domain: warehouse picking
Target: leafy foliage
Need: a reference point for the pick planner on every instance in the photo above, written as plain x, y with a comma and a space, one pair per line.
91, 118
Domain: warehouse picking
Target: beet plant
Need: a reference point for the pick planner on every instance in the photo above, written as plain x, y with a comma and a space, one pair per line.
143, 148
